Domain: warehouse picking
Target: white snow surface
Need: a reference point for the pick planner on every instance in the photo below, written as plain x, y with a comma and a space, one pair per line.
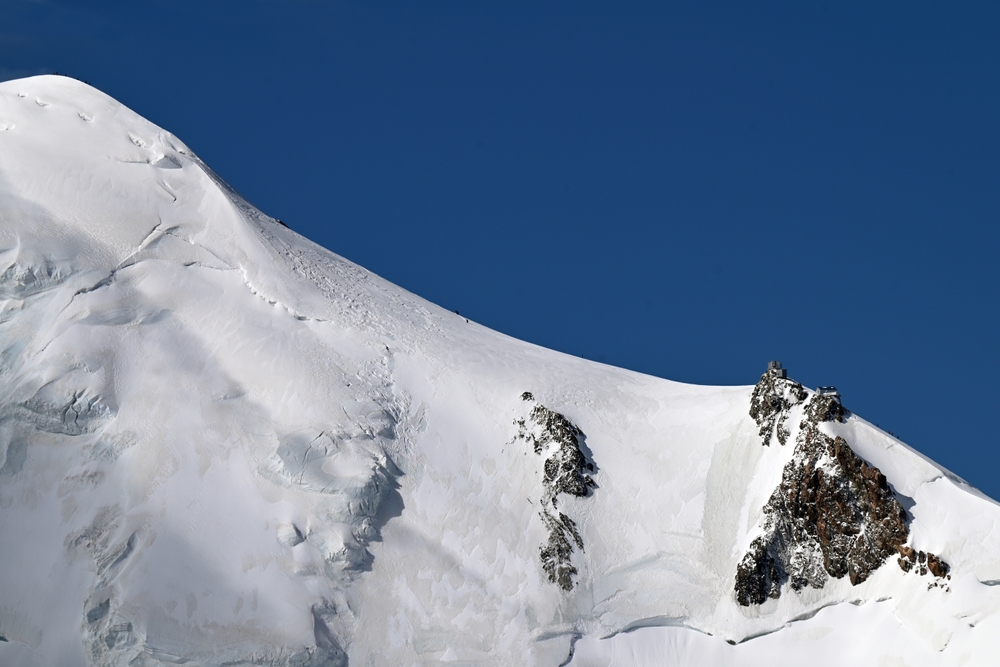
224, 444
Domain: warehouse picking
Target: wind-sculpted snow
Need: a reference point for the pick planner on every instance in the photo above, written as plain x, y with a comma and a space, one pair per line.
71, 414
832, 515
141, 374
354, 477
221, 444
60, 420
21, 282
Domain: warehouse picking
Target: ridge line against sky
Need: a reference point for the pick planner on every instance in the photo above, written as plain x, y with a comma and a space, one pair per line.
685, 192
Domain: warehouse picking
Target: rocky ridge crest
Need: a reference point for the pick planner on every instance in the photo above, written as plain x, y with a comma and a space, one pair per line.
832, 514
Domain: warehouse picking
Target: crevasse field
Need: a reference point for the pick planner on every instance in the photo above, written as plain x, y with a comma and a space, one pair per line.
221, 444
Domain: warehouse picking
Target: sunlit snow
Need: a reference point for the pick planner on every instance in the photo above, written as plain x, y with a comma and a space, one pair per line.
223, 444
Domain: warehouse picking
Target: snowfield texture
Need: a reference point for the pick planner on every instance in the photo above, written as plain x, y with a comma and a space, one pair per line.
221, 444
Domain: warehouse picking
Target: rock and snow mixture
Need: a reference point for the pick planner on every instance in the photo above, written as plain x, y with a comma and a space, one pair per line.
221, 444
565, 470
832, 514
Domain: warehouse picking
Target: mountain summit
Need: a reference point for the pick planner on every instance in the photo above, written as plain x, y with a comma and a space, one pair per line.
221, 444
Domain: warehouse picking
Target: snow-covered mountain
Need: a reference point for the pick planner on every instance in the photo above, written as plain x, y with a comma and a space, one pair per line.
221, 444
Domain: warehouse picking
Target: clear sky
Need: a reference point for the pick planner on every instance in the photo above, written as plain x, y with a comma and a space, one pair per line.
683, 191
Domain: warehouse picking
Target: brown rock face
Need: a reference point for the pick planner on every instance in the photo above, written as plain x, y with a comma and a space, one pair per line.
845, 505
832, 515
922, 563
937, 567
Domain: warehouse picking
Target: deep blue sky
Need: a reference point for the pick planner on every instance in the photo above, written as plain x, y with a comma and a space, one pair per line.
686, 192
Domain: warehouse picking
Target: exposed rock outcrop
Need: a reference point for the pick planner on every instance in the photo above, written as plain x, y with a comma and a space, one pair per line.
770, 403
565, 470
924, 563
832, 514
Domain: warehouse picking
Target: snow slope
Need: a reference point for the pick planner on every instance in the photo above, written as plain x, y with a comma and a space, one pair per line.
223, 444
